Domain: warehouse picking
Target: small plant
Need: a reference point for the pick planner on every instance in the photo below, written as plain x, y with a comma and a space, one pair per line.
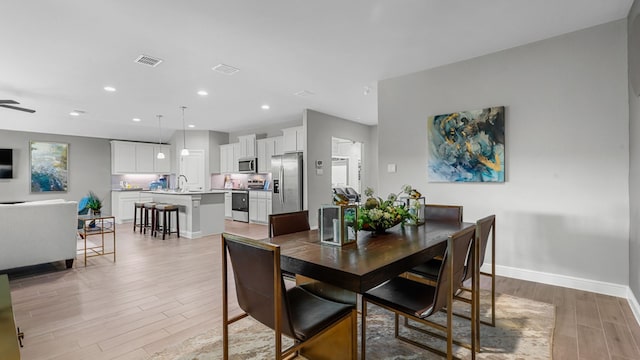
94, 203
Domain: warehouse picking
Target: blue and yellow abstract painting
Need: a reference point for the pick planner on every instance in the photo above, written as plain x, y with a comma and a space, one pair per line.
467, 146
49, 166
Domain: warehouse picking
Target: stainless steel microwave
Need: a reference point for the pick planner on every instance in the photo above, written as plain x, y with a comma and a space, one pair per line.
248, 165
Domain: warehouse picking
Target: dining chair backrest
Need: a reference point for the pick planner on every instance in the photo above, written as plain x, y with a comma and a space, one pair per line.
287, 223
433, 212
260, 288
484, 228
453, 267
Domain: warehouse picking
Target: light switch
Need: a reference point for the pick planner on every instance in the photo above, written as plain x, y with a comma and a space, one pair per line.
391, 168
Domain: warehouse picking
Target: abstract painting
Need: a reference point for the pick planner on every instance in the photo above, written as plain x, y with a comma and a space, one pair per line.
49, 166
467, 146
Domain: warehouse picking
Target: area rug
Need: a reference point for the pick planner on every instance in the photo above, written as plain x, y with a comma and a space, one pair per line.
524, 330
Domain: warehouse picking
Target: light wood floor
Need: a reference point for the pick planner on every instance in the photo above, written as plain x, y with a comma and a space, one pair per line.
159, 293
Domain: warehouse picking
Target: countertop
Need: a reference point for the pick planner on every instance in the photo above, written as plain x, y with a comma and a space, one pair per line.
268, 190
131, 189
190, 192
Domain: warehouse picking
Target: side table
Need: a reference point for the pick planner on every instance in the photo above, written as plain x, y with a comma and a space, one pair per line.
97, 225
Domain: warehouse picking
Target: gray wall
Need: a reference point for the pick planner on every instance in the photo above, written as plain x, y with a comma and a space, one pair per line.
89, 167
320, 129
564, 208
634, 163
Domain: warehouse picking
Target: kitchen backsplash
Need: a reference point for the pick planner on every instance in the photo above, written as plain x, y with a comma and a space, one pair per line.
135, 180
238, 181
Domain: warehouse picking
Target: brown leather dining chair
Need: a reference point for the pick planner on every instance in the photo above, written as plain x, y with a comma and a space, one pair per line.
316, 325
287, 223
417, 301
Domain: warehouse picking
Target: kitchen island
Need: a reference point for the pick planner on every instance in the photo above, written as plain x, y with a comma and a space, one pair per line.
201, 212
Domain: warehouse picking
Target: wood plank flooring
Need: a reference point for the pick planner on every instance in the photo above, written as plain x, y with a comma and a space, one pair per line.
160, 293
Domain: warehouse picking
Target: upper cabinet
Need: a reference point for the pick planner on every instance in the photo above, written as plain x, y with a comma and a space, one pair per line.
247, 146
131, 157
293, 139
266, 149
226, 158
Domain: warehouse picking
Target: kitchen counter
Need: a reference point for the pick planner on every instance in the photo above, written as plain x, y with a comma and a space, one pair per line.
131, 189
201, 212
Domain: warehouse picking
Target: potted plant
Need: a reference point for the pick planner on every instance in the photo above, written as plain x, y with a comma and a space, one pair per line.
94, 204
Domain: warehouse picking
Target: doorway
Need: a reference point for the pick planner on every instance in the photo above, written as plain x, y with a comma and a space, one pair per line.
346, 164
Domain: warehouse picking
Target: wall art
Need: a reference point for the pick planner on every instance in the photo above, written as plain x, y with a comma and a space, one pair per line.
49, 166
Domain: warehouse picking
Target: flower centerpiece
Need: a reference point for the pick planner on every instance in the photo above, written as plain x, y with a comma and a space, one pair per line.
378, 215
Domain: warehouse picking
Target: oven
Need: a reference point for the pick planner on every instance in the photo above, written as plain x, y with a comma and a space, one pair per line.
240, 205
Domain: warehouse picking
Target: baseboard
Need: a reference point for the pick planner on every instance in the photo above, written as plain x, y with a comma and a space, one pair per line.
562, 280
633, 303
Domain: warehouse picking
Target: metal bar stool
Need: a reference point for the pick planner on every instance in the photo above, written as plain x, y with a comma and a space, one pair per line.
164, 212
149, 208
140, 225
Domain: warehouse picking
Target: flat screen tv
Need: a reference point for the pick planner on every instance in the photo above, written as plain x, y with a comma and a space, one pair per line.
6, 163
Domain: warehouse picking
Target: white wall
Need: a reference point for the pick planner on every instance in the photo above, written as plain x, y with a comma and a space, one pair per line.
634, 163
89, 168
564, 208
320, 129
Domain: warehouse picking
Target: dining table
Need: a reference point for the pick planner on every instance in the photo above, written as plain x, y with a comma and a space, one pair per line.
369, 262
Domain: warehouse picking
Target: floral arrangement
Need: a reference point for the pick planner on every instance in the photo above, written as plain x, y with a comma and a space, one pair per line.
378, 214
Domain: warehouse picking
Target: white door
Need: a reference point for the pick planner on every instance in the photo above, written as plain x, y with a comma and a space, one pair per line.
192, 167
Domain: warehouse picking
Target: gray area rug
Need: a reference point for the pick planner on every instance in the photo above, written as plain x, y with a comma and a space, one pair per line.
524, 330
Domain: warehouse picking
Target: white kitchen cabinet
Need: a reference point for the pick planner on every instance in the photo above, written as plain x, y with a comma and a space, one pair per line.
226, 158
227, 205
122, 203
236, 156
266, 149
139, 158
279, 143
192, 167
259, 206
293, 139
247, 146
123, 160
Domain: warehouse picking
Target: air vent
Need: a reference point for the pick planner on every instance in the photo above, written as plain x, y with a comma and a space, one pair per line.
148, 60
225, 69
304, 93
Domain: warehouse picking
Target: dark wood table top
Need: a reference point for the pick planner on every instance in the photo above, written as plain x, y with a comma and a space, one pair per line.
372, 261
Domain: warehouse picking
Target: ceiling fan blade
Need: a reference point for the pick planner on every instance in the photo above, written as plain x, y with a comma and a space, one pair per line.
18, 108
9, 102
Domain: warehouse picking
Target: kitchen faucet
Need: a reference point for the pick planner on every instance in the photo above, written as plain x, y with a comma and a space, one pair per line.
185, 181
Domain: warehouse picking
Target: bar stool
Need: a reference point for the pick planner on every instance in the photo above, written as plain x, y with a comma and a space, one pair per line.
164, 211
149, 208
138, 206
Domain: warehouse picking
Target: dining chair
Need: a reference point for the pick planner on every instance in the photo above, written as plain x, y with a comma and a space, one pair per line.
418, 301
287, 223
428, 272
316, 325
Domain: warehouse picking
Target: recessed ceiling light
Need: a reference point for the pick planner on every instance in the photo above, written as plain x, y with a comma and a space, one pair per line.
265, 107
109, 88
203, 93
74, 113
191, 126
136, 119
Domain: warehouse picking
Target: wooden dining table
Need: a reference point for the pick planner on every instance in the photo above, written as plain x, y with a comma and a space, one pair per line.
372, 260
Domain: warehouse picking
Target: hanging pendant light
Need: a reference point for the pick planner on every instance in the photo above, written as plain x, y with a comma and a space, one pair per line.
185, 151
160, 153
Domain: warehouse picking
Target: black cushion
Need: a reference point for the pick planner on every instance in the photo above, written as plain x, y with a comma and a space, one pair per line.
405, 295
429, 269
310, 314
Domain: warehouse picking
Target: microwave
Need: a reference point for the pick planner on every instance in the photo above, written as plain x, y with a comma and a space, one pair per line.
248, 165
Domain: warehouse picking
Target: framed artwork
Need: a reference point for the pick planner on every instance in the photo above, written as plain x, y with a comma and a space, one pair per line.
49, 165
467, 146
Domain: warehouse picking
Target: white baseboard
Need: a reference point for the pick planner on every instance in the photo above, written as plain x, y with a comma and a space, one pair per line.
633, 303
562, 280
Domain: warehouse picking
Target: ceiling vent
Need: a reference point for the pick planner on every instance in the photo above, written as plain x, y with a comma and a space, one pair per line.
225, 69
304, 93
148, 60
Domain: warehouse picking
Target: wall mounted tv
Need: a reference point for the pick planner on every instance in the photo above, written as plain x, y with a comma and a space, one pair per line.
6, 163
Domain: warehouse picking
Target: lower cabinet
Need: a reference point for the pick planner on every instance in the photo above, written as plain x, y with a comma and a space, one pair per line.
122, 203
259, 206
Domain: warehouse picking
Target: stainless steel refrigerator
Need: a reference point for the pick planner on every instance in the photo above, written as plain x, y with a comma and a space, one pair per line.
286, 173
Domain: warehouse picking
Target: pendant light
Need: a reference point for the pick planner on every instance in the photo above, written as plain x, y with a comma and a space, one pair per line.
185, 151
160, 153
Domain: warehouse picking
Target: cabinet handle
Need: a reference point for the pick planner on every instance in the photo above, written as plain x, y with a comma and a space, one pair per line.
20, 337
